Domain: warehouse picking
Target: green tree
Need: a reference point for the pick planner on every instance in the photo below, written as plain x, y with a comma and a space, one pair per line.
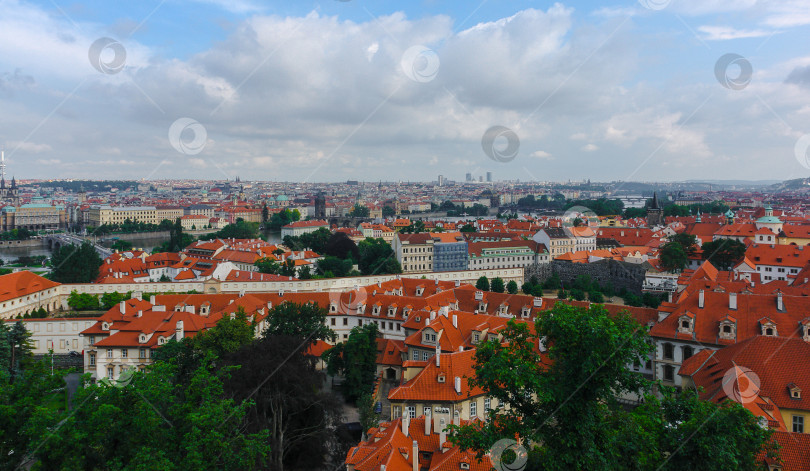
673, 257
482, 283
230, 333
75, 264
468, 228
265, 213
356, 360
596, 297
121, 245
109, 300
724, 253
331, 267
286, 391
83, 301
368, 418
340, 245
497, 285
512, 287
687, 241
388, 212
267, 265
304, 321
359, 211
168, 426
377, 258
559, 401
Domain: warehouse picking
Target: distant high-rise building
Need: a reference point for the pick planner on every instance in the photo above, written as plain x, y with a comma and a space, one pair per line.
441, 180
469, 177
480, 178
489, 177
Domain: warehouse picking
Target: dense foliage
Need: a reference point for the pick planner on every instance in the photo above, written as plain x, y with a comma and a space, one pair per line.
75, 263
563, 403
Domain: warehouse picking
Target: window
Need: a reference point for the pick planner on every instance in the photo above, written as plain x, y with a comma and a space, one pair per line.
669, 373
92, 359
415, 356
687, 352
110, 372
487, 404
669, 351
332, 321
425, 356
109, 353
142, 353
798, 424
397, 411
345, 321
426, 411
123, 353
474, 409
411, 410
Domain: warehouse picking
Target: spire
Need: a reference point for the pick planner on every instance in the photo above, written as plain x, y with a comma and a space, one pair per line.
654, 204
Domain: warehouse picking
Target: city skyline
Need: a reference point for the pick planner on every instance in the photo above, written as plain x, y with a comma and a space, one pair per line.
330, 92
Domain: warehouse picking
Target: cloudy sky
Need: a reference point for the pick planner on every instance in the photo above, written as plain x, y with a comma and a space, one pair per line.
392, 90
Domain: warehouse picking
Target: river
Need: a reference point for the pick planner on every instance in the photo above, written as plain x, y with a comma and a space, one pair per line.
11, 254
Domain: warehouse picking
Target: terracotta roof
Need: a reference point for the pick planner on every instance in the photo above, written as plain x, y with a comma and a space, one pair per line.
23, 283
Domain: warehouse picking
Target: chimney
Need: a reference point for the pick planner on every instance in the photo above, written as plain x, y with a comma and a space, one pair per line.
455, 321
382, 467
701, 299
438, 355
780, 304
139, 295
456, 418
122, 306
732, 301
152, 300
406, 423
427, 422
458, 384
179, 332
415, 456
442, 434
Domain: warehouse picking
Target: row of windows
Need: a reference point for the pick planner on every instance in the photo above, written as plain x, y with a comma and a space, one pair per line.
411, 410
142, 353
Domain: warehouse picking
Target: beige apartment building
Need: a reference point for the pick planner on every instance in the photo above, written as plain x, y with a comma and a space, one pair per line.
103, 214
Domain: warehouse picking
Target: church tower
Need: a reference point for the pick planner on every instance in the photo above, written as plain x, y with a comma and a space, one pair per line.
655, 214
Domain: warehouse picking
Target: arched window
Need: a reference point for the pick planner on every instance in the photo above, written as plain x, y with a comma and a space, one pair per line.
687, 352
669, 351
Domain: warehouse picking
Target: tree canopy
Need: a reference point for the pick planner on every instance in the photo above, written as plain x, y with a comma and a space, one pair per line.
75, 263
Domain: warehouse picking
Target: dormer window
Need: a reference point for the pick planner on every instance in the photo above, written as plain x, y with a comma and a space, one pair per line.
795, 391
361, 308
805, 329
768, 328
525, 312
142, 338
441, 378
482, 306
105, 326
476, 337
392, 311
465, 465
503, 308
161, 340
376, 310
686, 323
332, 307
419, 291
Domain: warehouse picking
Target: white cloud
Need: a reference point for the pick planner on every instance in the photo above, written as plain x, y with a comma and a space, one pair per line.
540, 154
590, 147
723, 33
